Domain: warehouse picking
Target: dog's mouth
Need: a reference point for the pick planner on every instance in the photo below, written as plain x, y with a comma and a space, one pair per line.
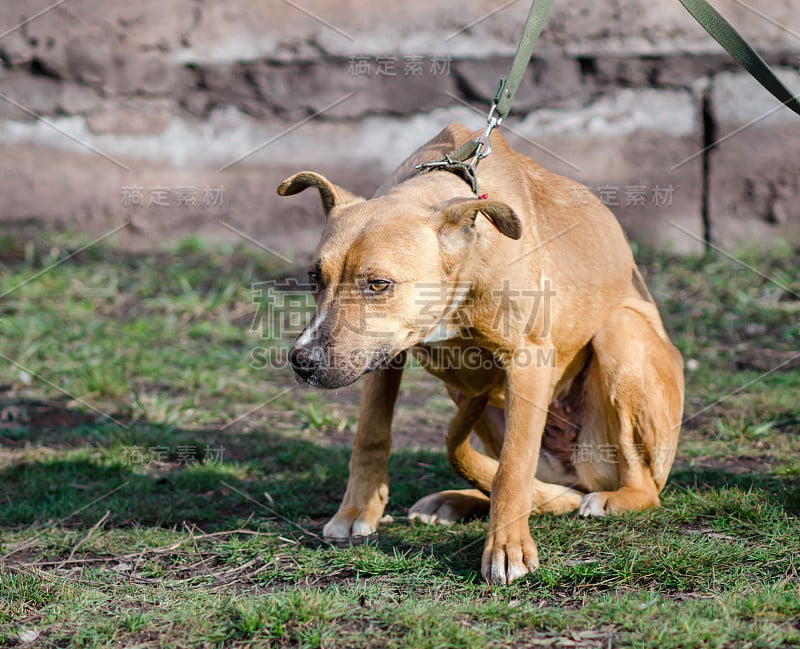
319, 369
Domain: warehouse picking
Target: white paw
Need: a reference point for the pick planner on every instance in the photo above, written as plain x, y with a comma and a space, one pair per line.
439, 518
448, 507
362, 528
338, 528
592, 505
432, 510
514, 572
507, 558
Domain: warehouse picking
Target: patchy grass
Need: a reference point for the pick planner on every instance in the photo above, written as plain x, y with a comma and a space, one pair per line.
162, 487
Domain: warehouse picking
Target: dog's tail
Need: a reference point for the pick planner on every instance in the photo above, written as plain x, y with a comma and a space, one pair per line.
476, 468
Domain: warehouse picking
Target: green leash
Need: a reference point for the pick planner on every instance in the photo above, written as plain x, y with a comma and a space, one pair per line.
708, 17
724, 33
507, 88
464, 160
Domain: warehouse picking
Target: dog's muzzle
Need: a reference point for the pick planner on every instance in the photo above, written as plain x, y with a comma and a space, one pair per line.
305, 362
312, 365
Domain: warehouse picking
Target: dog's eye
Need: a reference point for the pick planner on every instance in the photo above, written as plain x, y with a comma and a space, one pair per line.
378, 285
314, 280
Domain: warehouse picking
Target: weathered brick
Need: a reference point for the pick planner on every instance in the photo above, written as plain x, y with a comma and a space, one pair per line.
754, 175
624, 146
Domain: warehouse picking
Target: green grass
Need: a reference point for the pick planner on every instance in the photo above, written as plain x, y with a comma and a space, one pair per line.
147, 500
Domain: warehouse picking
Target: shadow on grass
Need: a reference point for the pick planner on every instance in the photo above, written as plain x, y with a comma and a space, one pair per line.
147, 474
161, 476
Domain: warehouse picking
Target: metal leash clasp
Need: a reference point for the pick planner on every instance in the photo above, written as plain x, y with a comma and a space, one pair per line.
484, 147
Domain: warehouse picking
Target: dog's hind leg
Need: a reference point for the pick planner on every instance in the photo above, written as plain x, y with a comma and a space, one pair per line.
447, 507
632, 414
479, 470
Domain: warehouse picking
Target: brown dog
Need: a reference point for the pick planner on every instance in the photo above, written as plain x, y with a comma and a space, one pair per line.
530, 308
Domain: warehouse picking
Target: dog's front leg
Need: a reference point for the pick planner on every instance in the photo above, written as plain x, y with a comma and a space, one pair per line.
368, 485
510, 552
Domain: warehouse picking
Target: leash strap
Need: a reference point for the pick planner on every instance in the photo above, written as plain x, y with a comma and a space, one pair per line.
724, 33
708, 17
464, 160
507, 88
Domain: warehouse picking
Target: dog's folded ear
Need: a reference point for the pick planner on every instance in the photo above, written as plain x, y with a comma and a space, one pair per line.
331, 195
464, 211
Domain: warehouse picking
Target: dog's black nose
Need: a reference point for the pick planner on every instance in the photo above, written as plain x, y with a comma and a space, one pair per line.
303, 362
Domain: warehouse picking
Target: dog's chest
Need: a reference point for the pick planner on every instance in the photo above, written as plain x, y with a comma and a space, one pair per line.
466, 367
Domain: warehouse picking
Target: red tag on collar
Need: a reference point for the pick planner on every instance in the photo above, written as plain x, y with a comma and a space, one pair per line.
483, 197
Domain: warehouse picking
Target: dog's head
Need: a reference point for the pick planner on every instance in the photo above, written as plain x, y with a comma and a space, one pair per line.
387, 275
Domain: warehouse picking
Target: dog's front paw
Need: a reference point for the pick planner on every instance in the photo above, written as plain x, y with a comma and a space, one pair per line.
509, 554
350, 523
448, 507
359, 513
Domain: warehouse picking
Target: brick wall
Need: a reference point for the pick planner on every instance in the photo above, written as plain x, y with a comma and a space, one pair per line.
182, 117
